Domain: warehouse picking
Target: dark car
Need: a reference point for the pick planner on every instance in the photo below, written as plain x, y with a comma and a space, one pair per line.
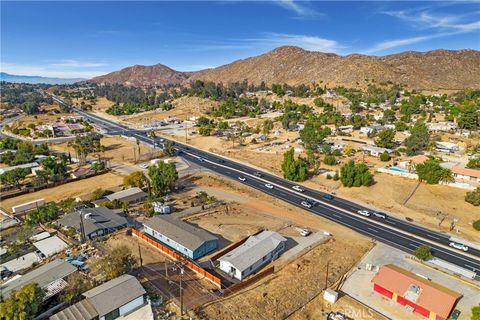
328, 197
221, 161
258, 174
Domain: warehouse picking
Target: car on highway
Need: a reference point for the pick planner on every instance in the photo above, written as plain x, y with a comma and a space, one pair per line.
364, 213
269, 186
243, 179
201, 159
459, 246
298, 188
221, 161
328, 196
379, 215
306, 204
258, 174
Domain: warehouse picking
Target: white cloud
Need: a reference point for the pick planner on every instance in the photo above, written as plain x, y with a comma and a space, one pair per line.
306, 42
47, 71
299, 9
76, 64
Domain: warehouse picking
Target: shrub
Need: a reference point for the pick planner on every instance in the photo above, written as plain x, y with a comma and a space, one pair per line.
423, 252
330, 160
473, 197
476, 225
384, 157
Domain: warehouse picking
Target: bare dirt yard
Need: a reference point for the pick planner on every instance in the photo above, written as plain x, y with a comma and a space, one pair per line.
72, 189
117, 149
279, 295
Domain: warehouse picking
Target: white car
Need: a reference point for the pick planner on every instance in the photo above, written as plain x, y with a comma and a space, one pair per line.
298, 188
364, 213
144, 165
243, 179
306, 204
269, 186
458, 246
305, 232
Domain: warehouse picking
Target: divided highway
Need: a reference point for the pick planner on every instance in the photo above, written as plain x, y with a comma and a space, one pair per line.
395, 232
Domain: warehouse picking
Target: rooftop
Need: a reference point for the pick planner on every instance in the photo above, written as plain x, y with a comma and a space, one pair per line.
179, 231
425, 293
124, 195
254, 249
466, 172
93, 219
44, 275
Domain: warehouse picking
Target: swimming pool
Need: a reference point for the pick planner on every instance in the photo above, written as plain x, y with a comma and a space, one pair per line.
398, 169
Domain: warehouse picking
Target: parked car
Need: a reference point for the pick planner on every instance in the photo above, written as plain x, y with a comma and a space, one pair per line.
364, 213
306, 204
298, 188
379, 215
459, 246
269, 186
243, 179
305, 232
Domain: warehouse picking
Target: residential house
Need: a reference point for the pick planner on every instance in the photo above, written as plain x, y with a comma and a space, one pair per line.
442, 126
132, 195
30, 166
344, 129
96, 221
256, 252
113, 299
466, 174
447, 147
183, 237
81, 172
50, 277
415, 293
375, 128
375, 151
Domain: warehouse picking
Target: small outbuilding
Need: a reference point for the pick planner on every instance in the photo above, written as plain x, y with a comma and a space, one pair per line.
132, 195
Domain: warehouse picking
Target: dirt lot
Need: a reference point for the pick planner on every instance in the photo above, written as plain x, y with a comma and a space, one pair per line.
39, 118
73, 189
163, 274
282, 293
117, 149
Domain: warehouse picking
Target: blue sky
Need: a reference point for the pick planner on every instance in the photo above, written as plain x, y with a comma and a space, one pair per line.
84, 39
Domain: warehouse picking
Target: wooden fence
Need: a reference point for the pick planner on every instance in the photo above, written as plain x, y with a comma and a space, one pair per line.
241, 285
174, 255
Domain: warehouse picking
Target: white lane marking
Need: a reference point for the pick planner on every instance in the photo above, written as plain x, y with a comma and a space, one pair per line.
430, 236
336, 216
371, 229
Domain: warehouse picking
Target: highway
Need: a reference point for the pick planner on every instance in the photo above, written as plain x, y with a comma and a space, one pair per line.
392, 231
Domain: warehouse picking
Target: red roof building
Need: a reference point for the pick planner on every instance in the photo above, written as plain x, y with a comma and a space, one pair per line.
416, 293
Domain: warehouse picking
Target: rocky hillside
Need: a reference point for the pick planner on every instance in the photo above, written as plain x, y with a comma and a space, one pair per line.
144, 75
439, 69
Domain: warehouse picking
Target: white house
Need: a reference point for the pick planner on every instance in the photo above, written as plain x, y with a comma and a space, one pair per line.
466, 174
446, 147
375, 151
256, 252
442, 126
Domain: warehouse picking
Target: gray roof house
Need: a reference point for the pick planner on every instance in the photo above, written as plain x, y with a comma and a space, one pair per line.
113, 299
96, 221
49, 277
249, 257
187, 239
131, 195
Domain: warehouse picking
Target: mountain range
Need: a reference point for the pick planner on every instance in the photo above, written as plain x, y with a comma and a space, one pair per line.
438, 69
37, 79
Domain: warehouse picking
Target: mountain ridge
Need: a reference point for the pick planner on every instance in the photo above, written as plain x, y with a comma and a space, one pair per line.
436, 69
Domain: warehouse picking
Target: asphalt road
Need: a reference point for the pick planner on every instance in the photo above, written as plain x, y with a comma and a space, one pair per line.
395, 232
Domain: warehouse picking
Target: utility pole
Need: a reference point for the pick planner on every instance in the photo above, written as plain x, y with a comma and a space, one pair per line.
82, 229
181, 291
140, 255
326, 276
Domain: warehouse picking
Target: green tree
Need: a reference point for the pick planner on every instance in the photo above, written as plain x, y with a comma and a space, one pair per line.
77, 284
473, 197
475, 313
355, 175
294, 170
385, 157
476, 225
330, 160
313, 133
474, 163
385, 138
162, 176
418, 140
170, 149
267, 126
431, 172
469, 117
205, 130
45, 213
135, 179
14, 177
116, 263
423, 252
23, 304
